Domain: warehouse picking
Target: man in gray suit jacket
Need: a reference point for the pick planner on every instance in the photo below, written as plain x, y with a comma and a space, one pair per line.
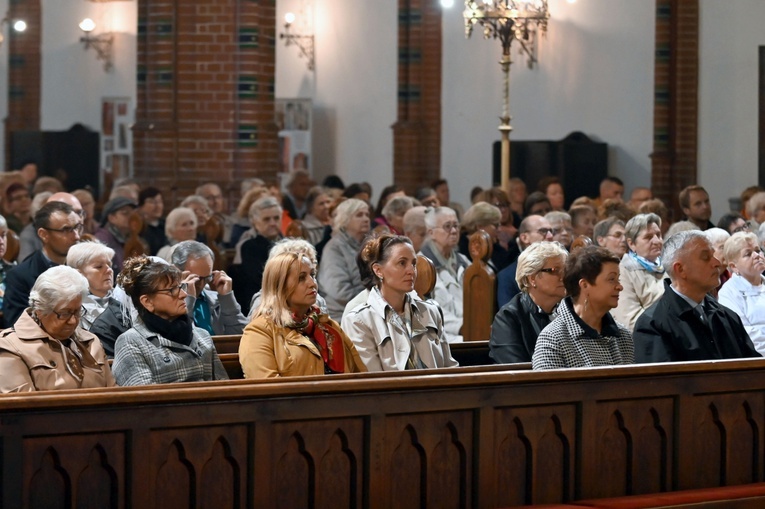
210, 300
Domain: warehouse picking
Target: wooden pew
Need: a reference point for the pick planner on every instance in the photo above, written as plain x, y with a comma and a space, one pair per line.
446, 438
479, 288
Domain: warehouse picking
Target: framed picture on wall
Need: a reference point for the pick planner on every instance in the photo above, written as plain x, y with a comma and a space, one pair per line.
117, 142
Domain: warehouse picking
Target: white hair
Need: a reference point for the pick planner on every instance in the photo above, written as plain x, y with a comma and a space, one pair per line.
345, 212
299, 246
432, 215
81, 254
716, 235
177, 215
674, 248
58, 285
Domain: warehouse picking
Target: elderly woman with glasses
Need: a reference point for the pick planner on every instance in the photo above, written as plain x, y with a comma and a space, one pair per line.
163, 346
486, 217
584, 334
518, 324
641, 270
94, 261
744, 292
45, 349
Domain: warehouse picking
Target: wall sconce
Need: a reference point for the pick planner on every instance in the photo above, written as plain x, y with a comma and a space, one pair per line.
18, 25
303, 42
102, 43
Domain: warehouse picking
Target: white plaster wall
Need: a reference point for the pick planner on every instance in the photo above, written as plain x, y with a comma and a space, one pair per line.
595, 74
731, 33
73, 80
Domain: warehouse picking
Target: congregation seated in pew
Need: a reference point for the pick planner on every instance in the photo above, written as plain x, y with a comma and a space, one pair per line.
584, 334
518, 324
289, 335
45, 349
163, 345
394, 331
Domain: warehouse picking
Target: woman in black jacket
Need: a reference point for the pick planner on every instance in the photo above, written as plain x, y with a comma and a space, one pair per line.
519, 322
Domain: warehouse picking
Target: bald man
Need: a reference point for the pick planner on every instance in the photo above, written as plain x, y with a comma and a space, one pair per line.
29, 242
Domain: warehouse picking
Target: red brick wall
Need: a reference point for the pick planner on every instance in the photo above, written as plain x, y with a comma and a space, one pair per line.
205, 94
417, 131
23, 71
674, 159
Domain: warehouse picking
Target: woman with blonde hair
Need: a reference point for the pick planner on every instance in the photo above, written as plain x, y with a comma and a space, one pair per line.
289, 335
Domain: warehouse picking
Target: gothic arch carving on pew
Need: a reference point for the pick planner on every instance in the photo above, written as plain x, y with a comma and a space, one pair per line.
177, 479
616, 449
219, 480
449, 471
514, 462
408, 473
743, 447
337, 474
97, 483
654, 467
553, 446
51, 485
295, 475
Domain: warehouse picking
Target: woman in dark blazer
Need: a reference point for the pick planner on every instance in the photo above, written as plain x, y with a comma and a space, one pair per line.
519, 322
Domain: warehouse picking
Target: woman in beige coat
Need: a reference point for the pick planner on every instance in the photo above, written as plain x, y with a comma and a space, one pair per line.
289, 335
641, 271
394, 330
45, 349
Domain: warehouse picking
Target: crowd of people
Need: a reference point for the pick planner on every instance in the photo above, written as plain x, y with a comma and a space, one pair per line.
318, 280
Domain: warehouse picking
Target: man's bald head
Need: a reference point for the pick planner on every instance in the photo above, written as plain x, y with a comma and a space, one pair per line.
67, 198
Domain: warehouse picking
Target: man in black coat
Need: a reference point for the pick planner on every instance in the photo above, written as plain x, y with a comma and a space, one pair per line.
59, 228
686, 324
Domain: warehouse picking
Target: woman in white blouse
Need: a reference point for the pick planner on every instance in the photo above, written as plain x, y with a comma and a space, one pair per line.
744, 292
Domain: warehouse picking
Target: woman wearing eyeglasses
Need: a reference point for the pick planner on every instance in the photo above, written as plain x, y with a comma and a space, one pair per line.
584, 334
163, 346
641, 270
518, 324
45, 350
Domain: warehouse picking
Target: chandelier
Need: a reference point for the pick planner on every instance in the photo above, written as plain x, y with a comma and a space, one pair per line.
508, 21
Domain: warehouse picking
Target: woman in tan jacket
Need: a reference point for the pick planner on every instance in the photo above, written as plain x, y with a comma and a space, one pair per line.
45, 349
289, 336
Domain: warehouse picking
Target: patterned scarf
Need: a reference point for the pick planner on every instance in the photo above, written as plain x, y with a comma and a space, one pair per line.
648, 265
315, 327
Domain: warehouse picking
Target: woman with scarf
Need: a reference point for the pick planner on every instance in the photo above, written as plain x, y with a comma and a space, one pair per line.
440, 247
163, 346
289, 335
45, 349
394, 330
641, 270
94, 261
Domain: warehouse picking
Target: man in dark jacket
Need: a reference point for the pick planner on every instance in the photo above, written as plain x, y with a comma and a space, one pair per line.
686, 324
59, 228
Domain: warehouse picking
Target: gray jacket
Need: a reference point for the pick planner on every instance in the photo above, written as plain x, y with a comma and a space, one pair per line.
225, 312
143, 357
384, 345
339, 278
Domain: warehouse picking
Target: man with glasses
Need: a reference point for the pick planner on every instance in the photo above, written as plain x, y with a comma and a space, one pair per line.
115, 227
59, 228
533, 229
29, 242
210, 300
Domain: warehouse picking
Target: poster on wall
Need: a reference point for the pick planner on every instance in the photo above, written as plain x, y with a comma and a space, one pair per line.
293, 118
116, 140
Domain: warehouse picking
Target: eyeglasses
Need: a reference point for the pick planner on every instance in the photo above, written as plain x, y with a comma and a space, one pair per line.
617, 235
206, 279
743, 228
555, 271
174, 291
450, 226
544, 231
502, 205
66, 230
65, 316
558, 231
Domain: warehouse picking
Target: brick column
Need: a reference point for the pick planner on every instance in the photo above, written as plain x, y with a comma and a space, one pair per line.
417, 131
23, 72
205, 94
676, 85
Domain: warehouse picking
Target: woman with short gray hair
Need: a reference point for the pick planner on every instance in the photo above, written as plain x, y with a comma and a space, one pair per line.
487, 217
339, 277
48, 330
94, 261
642, 273
180, 224
393, 213
518, 324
